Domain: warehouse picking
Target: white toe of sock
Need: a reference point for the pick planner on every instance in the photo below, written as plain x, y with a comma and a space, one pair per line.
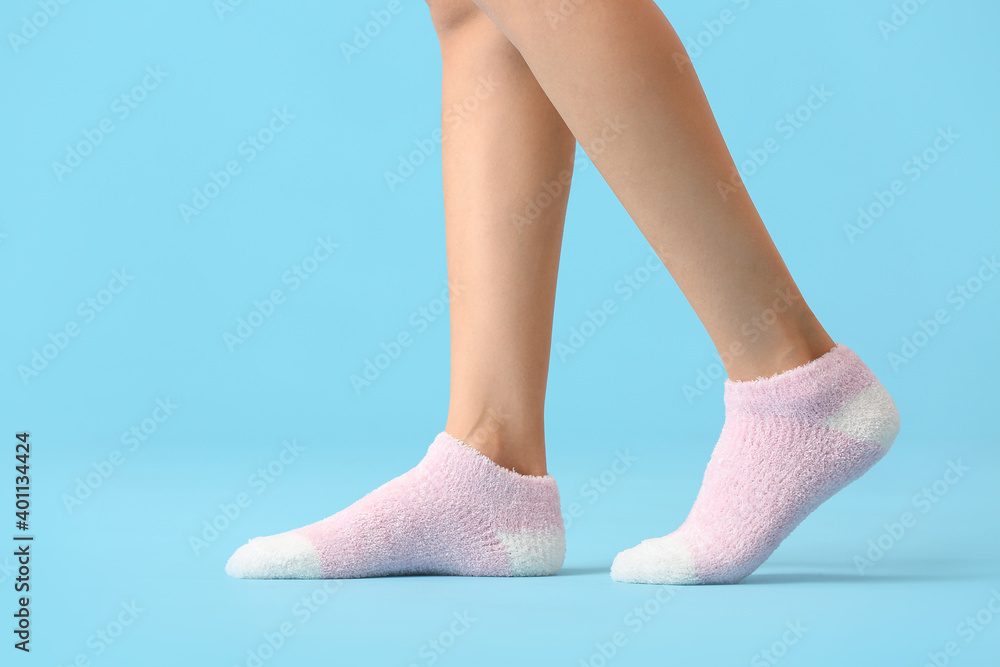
661, 560
283, 556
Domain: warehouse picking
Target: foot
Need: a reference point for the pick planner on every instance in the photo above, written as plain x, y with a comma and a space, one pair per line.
789, 443
457, 512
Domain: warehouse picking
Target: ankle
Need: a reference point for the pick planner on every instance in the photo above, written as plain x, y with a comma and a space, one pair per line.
780, 352
510, 443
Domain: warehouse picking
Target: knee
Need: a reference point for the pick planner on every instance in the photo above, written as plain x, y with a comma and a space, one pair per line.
449, 15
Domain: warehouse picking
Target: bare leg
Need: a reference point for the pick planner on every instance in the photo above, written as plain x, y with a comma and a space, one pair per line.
818, 418
503, 273
455, 512
622, 62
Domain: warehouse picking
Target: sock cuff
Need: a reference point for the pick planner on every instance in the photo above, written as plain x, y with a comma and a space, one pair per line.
811, 391
531, 501
448, 448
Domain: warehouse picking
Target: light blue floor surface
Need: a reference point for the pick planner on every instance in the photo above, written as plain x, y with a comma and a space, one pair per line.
914, 596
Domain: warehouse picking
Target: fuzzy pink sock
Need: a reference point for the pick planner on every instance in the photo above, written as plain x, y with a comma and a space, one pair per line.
457, 512
789, 443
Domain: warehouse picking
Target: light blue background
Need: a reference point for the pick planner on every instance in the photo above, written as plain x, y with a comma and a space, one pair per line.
323, 176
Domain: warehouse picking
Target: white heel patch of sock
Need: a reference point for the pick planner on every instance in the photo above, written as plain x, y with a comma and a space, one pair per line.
533, 553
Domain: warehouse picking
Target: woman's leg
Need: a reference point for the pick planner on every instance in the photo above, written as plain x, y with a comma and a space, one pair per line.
620, 63
459, 512
502, 264
820, 419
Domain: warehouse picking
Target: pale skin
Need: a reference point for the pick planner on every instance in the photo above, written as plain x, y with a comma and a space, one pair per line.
613, 76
